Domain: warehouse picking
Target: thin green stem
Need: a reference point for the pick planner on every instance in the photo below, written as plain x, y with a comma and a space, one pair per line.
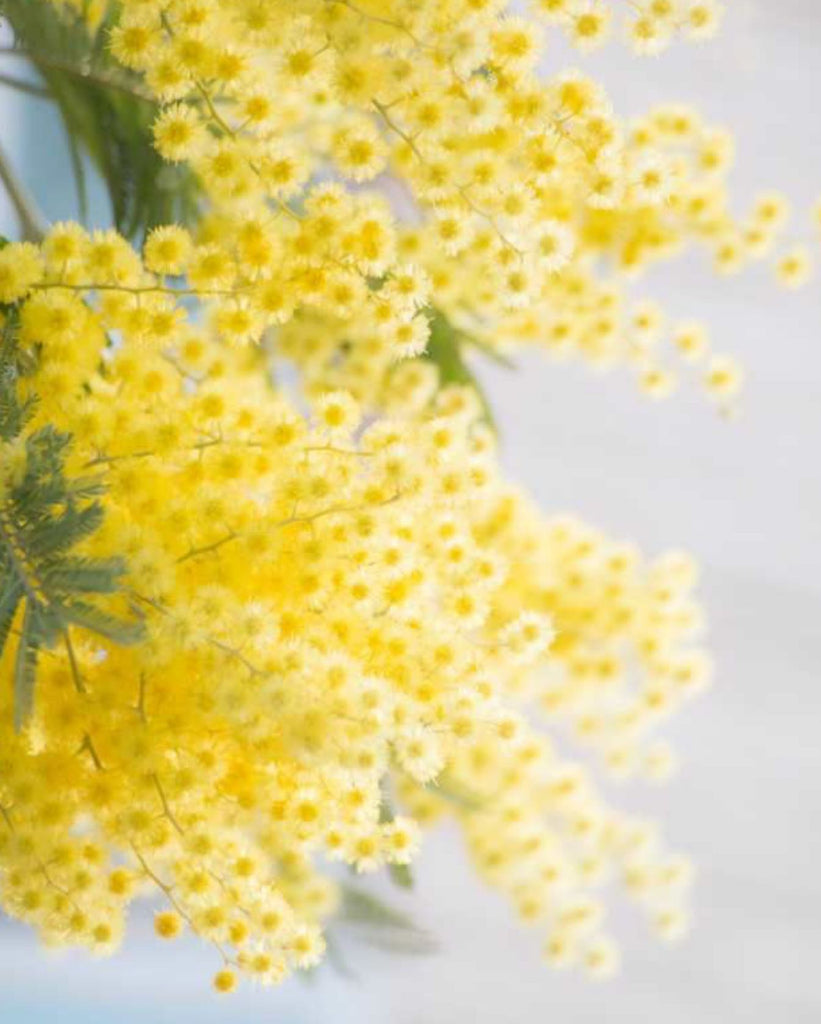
92, 286
30, 88
165, 805
215, 546
83, 74
31, 221
77, 679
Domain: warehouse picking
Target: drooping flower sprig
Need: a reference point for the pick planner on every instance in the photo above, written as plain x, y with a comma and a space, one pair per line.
327, 608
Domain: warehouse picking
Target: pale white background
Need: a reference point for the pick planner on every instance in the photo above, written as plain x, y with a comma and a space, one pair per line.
745, 498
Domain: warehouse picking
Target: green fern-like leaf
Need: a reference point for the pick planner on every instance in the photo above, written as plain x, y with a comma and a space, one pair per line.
44, 515
9, 600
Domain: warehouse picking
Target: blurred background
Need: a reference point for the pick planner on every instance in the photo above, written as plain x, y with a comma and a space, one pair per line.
744, 496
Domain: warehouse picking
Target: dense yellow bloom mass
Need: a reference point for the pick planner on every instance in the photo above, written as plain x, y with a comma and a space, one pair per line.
517, 204
346, 614
327, 605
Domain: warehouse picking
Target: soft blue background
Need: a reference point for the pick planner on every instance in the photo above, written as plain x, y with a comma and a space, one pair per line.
745, 498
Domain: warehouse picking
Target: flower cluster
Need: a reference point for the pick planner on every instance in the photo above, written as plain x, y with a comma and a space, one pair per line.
370, 159
352, 623
331, 608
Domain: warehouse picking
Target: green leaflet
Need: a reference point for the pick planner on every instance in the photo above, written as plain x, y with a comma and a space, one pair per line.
44, 515
445, 349
25, 669
400, 874
381, 925
376, 924
107, 115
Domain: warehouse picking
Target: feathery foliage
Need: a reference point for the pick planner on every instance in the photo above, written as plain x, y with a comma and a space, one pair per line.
44, 515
